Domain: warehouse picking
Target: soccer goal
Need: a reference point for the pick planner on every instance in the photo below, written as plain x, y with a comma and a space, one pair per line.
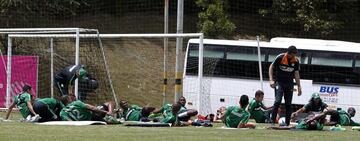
34, 56
136, 62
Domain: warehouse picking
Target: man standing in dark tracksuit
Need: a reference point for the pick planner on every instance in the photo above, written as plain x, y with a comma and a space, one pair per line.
64, 80
287, 68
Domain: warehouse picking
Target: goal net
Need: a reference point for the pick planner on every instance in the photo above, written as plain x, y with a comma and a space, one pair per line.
137, 66
37, 56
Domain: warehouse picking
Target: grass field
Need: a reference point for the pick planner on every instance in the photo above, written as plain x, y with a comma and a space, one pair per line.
14, 131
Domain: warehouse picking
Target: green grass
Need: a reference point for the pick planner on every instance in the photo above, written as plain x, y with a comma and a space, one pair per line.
26, 131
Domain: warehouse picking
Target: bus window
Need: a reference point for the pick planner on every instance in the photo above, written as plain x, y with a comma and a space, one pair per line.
273, 53
207, 54
332, 59
210, 51
244, 56
332, 67
303, 57
357, 63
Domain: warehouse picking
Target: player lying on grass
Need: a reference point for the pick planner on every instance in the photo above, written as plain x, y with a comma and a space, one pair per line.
315, 106
311, 124
258, 110
49, 108
24, 102
79, 111
339, 117
109, 107
134, 112
303, 124
184, 114
237, 116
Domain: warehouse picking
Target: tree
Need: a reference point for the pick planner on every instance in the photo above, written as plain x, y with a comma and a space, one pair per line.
213, 20
319, 17
23, 10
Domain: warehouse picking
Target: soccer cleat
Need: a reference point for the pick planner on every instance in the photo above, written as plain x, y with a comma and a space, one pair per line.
35, 118
356, 128
337, 128
27, 119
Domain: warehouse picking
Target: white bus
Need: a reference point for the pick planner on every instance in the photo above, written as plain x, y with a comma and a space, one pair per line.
231, 69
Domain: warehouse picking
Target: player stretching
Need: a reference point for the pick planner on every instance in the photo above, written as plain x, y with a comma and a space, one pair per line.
238, 117
24, 102
134, 112
79, 111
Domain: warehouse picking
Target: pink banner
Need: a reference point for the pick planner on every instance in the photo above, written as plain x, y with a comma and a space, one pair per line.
23, 72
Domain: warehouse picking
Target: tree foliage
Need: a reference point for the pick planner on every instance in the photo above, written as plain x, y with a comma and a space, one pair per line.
213, 20
321, 17
24, 10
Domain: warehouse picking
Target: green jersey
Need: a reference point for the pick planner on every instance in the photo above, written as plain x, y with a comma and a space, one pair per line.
75, 111
345, 119
182, 109
256, 112
235, 115
52, 103
167, 108
303, 125
133, 113
169, 118
21, 102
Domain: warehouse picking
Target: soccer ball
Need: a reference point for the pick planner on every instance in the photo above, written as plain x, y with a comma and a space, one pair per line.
281, 121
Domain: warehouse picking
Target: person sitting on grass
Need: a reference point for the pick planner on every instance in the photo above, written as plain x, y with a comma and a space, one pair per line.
171, 115
184, 114
79, 111
134, 112
339, 117
315, 106
256, 108
237, 117
24, 102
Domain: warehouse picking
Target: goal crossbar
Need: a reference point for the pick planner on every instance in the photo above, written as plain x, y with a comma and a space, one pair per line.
108, 35
43, 30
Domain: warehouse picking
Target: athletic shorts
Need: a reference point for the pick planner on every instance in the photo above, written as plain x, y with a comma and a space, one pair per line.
43, 110
100, 116
335, 117
184, 118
